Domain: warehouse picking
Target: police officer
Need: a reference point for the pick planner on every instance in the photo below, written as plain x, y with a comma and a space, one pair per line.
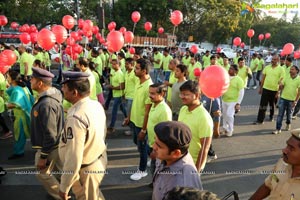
82, 148
283, 181
47, 120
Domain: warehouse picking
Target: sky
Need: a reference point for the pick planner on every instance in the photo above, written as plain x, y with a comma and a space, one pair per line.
276, 8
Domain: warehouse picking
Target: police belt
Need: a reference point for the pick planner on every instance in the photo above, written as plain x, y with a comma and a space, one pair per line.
86, 165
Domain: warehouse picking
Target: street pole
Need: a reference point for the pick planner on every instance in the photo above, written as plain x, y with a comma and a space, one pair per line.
102, 17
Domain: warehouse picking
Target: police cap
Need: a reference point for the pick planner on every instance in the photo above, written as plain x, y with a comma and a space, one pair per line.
41, 73
74, 76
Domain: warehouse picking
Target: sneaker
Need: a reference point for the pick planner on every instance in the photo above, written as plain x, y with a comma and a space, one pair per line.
288, 127
276, 132
6, 135
149, 163
271, 119
294, 117
228, 134
247, 88
254, 87
211, 158
138, 175
128, 133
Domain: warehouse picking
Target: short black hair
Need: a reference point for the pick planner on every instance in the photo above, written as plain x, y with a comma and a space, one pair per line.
161, 88
183, 68
143, 64
82, 86
191, 86
185, 193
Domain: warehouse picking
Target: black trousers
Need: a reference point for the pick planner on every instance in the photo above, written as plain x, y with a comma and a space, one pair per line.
3, 124
267, 98
297, 108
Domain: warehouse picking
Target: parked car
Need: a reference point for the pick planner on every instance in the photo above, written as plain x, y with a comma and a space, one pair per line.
229, 53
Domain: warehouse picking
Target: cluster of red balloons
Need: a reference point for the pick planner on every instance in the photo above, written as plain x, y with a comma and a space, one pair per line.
7, 59
214, 81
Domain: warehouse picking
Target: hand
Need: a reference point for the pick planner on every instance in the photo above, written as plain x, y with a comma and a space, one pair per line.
237, 107
153, 155
294, 104
109, 86
260, 91
126, 122
166, 83
217, 113
41, 165
64, 196
141, 135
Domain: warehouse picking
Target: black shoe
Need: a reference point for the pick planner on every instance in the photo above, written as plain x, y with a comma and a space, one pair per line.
15, 156
258, 123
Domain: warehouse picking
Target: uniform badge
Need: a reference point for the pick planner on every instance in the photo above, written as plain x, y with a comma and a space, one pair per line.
69, 133
35, 113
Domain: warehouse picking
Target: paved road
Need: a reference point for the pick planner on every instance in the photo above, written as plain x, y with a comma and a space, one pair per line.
242, 164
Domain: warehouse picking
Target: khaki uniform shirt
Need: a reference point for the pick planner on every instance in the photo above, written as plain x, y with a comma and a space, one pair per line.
281, 184
82, 140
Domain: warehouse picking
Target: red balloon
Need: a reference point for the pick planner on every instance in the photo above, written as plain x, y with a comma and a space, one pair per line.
123, 30
161, 30
214, 81
296, 54
98, 36
132, 50
261, 37
148, 26
70, 41
74, 56
26, 28
77, 48
14, 25
115, 40
60, 33
80, 32
111, 26
33, 37
250, 33
267, 35
95, 29
176, 17
197, 72
68, 21
46, 39
135, 16
219, 49
80, 23
3, 20
74, 35
194, 49
128, 36
88, 25
33, 29
69, 50
4, 68
8, 57
242, 45
288, 48
237, 41
102, 41
25, 38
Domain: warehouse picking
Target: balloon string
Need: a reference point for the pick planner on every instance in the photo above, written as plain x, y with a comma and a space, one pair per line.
173, 32
133, 28
249, 52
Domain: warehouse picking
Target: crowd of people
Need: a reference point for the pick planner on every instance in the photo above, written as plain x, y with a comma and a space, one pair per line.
171, 121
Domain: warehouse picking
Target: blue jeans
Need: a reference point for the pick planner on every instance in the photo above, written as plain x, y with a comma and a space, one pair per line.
156, 73
284, 105
117, 102
167, 75
142, 148
128, 105
253, 78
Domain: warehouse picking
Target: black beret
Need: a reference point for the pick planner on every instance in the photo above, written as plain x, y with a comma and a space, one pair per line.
41, 73
173, 133
74, 76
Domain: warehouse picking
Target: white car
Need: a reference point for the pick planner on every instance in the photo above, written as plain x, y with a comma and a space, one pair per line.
229, 53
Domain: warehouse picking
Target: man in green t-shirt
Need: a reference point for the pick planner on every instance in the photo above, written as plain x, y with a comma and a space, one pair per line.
159, 112
156, 60
117, 86
195, 116
206, 60
231, 100
260, 67
290, 91
139, 115
272, 75
254, 67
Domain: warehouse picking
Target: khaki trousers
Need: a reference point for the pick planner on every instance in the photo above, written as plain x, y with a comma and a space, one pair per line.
87, 187
47, 179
